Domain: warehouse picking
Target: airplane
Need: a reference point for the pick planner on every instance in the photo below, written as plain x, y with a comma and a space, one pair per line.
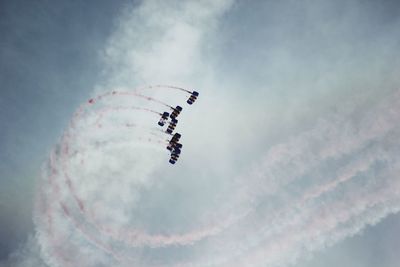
176, 151
175, 112
192, 97
174, 156
163, 119
174, 145
175, 148
176, 137
174, 142
171, 126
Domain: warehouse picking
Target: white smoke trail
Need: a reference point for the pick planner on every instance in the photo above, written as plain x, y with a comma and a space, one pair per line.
305, 194
361, 189
334, 202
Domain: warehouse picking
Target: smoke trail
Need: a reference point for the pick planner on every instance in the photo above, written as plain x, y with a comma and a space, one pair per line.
307, 193
321, 197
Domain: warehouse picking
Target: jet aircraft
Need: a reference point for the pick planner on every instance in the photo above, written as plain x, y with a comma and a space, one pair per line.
163, 119
174, 142
192, 97
174, 155
176, 111
172, 125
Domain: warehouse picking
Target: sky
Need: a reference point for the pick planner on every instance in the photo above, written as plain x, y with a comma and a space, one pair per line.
290, 152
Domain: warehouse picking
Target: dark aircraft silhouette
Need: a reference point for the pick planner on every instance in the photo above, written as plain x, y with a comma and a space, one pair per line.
171, 126
174, 155
174, 142
163, 119
192, 97
176, 111
175, 147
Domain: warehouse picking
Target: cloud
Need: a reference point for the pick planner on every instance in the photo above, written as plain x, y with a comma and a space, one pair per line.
107, 197
28, 255
163, 40
307, 199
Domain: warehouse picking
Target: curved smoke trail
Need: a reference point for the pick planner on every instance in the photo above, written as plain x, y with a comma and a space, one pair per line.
95, 203
311, 191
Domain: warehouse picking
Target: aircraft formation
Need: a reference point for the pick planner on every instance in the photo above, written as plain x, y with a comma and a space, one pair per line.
173, 144
96, 146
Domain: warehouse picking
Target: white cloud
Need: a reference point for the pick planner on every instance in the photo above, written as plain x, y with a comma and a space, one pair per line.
109, 199
28, 255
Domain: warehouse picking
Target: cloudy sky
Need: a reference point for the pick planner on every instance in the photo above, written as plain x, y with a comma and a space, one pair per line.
290, 153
